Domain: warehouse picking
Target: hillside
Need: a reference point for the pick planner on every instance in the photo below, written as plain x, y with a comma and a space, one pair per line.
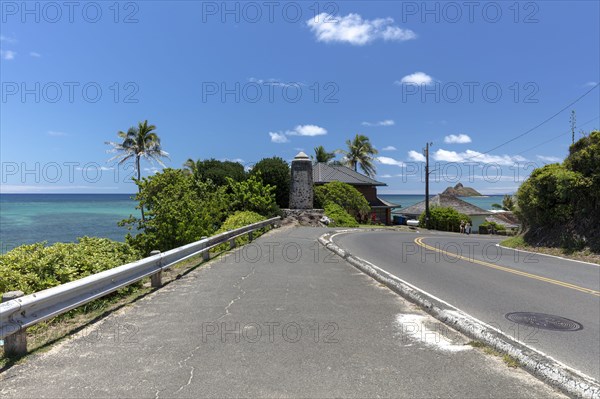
461, 191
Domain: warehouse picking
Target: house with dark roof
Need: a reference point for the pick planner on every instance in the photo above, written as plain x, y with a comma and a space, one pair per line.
477, 214
326, 173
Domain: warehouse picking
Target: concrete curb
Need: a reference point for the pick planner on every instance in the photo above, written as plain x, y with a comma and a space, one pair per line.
544, 367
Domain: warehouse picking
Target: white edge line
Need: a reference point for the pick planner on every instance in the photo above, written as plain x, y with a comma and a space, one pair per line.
457, 309
552, 256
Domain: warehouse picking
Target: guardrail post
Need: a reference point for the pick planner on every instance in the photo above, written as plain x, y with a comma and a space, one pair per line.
156, 278
250, 236
232, 243
15, 345
205, 254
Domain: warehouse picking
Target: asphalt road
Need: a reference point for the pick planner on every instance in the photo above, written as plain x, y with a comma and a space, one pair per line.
282, 317
488, 282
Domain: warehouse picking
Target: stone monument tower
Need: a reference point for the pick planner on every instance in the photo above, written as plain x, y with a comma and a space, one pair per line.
301, 188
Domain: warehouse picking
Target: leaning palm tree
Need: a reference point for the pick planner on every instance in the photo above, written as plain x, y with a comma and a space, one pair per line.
360, 153
139, 142
321, 155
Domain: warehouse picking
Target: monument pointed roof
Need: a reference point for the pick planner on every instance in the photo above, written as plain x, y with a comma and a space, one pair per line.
301, 156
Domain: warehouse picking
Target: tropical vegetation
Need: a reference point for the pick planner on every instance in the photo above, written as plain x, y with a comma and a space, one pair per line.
559, 204
139, 142
344, 195
361, 153
444, 218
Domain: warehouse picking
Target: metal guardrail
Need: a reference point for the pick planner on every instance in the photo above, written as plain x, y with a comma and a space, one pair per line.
20, 313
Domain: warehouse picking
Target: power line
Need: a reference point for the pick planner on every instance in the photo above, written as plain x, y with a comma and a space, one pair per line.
536, 126
556, 137
545, 121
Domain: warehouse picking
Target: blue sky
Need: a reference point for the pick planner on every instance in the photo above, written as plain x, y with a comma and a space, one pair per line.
250, 80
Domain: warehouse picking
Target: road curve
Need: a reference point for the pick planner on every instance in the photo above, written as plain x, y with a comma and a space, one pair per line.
488, 282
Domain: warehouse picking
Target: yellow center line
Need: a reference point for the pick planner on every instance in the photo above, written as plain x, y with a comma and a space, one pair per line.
419, 241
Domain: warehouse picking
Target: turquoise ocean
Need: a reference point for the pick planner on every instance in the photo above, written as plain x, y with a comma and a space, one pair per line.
30, 218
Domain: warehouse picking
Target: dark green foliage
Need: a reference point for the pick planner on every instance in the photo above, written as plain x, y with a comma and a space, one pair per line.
215, 171
340, 217
35, 267
559, 204
252, 195
344, 195
182, 209
444, 218
275, 172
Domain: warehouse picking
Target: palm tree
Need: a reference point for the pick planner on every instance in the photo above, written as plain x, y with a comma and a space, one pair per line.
321, 155
191, 167
139, 142
360, 153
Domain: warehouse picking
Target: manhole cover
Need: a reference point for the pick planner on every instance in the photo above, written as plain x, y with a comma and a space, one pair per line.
544, 321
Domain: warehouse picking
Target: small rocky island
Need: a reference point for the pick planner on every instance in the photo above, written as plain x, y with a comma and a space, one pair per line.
461, 191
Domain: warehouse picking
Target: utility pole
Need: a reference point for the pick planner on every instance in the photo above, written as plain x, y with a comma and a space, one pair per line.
427, 218
573, 120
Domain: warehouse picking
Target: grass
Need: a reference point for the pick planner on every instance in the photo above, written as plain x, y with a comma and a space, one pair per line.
488, 350
518, 242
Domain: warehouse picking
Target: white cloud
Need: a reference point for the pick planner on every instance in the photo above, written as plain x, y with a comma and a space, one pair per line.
275, 82
278, 137
307, 130
390, 161
387, 122
389, 148
7, 55
56, 134
474, 156
7, 39
416, 156
417, 78
549, 159
355, 30
34, 54
299, 130
457, 139
590, 84
153, 170
385, 176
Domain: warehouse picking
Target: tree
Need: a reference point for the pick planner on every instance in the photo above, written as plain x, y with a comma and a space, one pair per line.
180, 211
321, 155
360, 153
139, 142
508, 203
214, 170
275, 172
344, 195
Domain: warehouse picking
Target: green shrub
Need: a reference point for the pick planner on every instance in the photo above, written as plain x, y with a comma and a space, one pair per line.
344, 195
180, 210
339, 216
237, 220
35, 267
487, 227
444, 219
252, 195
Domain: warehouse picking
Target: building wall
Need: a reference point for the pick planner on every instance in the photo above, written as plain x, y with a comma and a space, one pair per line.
369, 192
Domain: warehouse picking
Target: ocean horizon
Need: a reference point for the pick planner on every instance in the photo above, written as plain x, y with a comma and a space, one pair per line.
36, 217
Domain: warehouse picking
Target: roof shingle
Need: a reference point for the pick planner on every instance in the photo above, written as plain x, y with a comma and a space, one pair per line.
325, 173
